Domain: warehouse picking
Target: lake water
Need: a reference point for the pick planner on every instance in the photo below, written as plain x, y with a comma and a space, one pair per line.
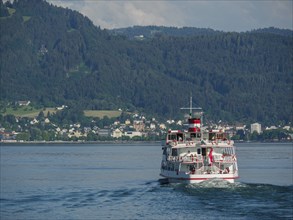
121, 181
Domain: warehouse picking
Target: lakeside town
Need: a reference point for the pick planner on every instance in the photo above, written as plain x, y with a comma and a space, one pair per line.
61, 126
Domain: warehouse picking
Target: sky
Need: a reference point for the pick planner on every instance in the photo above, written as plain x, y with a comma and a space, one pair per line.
231, 15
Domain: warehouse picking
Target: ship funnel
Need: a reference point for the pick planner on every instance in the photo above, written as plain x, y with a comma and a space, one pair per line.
194, 124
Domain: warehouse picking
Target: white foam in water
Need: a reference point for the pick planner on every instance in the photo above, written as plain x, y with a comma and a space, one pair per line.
216, 183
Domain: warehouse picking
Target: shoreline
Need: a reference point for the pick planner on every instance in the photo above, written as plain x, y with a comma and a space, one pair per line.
109, 142
73, 142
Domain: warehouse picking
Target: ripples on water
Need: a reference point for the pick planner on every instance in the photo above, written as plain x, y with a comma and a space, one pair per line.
73, 184
152, 200
241, 201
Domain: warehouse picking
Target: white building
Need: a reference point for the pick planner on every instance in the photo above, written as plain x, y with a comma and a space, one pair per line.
162, 126
255, 127
239, 127
61, 107
170, 122
23, 103
273, 127
117, 133
33, 122
77, 134
152, 126
127, 122
132, 134
288, 128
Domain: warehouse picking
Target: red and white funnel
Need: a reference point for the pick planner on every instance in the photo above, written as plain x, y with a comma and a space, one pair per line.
194, 124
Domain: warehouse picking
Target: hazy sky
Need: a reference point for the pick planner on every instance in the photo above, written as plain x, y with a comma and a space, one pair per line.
229, 15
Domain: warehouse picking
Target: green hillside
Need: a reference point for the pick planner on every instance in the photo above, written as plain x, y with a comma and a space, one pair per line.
54, 56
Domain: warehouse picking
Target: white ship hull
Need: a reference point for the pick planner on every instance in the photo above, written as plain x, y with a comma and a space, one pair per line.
182, 177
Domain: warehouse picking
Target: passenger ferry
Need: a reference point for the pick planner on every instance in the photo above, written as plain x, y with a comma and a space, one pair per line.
198, 154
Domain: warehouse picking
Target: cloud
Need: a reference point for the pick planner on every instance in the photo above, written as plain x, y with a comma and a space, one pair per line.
220, 15
112, 14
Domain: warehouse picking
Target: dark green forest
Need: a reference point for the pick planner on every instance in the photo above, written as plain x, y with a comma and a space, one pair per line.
54, 56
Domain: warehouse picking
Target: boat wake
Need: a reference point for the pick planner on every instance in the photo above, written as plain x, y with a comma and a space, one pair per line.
216, 183
163, 181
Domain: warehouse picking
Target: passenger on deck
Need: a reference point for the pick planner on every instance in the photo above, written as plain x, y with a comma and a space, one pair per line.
227, 170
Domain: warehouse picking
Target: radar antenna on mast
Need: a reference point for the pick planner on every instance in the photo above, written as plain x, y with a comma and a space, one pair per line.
192, 108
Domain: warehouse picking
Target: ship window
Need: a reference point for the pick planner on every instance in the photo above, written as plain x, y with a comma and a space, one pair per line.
193, 135
212, 136
174, 152
198, 151
198, 135
180, 137
203, 151
220, 136
172, 137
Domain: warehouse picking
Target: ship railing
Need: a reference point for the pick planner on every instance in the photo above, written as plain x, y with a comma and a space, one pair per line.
218, 157
224, 158
229, 159
231, 169
181, 159
212, 170
180, 143
186, 158
219, 142
201, 159
173, 158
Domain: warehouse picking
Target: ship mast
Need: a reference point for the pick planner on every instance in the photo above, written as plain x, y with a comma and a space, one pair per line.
191, 108
190, 105
199, 114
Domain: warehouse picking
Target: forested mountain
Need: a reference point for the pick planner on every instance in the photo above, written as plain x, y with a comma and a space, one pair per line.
54, 56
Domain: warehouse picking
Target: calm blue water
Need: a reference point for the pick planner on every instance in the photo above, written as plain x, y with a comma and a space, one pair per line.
121, 182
